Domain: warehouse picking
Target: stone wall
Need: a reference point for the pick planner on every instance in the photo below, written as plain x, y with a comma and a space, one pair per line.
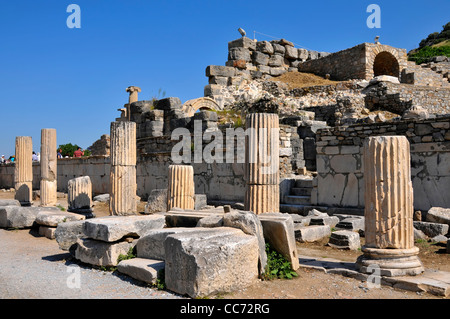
96, 167
354, 63
339, 180
220, 181
398, 98
101, 146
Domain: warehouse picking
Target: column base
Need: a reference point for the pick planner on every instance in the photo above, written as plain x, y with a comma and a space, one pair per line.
390, 262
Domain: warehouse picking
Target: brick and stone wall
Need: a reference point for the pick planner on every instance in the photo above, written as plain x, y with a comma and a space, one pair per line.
339, 180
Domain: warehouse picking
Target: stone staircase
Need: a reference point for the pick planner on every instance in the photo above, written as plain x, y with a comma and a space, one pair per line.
430, 74
299, 196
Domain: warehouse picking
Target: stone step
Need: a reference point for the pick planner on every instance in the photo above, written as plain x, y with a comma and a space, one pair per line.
300, 183
301, 191
297, 200
142, 269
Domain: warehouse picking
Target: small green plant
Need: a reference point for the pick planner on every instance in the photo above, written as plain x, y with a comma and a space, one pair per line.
160, 280
130, 254
61, 208
277, 266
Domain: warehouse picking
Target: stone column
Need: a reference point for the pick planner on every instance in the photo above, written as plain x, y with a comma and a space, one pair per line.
79, 194
48, 167
181, 189
261, 170
389, 231
123, 169
23, 170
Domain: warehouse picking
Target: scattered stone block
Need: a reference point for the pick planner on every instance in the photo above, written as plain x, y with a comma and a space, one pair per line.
438, 215
47, 231
211, 221
311, 233
345, 239
17, 217
249, 223
103, 198
278, 230
202, 263
9, 202
351, 223
67, 233
151, 246
157, 201
113, 228
100, 253
328, 220
188, 218
53, 218
431, 229
142, 269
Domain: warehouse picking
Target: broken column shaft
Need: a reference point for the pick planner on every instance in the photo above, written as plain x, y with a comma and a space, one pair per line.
181, 189
23, 170
123, 169
49, 165
262, 163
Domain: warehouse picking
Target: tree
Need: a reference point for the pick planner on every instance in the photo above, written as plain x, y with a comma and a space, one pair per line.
68, 149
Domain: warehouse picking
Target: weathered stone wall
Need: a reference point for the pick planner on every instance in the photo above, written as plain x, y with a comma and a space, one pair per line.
353, 63
96, 167
220, 181
399, 97
340, 169
102, 146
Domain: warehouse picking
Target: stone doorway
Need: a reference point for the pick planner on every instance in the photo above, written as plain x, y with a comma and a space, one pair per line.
386, 64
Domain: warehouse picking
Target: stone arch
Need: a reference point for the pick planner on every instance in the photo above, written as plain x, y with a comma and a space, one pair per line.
202, 103
385, 63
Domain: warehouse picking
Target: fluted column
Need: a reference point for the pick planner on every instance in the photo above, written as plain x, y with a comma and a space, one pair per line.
389, 232
388, 193
79, 194
23, 170
123, 169
261, 170
48, 160
181, 189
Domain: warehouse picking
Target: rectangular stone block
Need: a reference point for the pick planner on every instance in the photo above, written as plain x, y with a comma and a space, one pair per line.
142, 269
311, 233
113, 228
100, 253
208, 262
278, 230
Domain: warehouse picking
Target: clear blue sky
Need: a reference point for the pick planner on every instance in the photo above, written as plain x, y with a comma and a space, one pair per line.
74, 80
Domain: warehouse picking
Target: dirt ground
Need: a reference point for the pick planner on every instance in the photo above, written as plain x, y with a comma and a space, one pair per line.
315, 284
300, 80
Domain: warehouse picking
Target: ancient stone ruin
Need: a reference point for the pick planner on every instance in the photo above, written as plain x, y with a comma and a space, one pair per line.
360, 157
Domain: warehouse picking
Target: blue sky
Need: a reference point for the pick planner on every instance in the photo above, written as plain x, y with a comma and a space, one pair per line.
74, 80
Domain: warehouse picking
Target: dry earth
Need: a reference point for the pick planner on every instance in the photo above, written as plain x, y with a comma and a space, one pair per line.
310, 283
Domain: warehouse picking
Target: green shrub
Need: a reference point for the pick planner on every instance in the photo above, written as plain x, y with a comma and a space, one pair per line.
277, 266
423, 55
131, 254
